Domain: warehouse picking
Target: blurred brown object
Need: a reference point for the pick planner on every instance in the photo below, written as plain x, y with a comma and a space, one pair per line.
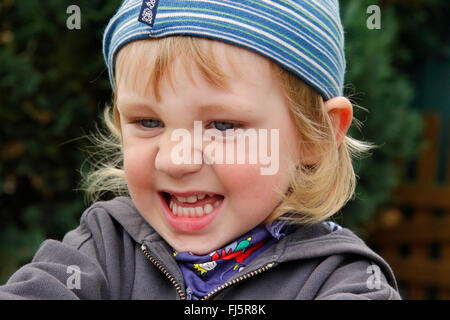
414, 234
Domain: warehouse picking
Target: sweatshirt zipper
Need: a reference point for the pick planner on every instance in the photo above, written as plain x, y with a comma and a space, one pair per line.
212, 293
157, 264
234, 281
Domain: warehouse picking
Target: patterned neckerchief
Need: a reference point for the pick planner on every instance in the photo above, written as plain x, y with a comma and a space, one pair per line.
203, 274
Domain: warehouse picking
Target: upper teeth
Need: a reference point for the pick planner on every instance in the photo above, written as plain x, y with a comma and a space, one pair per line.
193, 198
198, 211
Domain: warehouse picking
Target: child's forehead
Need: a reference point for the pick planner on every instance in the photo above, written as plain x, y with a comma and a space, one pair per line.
142, 64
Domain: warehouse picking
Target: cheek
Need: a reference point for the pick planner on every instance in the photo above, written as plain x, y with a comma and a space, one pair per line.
138, 165
249, 189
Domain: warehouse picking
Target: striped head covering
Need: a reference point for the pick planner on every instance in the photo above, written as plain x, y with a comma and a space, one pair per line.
304, 37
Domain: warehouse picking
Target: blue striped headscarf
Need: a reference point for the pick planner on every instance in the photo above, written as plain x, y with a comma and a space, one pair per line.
304, 37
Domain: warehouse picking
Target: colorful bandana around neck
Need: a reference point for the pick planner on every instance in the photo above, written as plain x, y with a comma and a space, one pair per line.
203, 274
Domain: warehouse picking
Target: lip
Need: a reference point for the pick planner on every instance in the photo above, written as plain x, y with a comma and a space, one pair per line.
188, 193
188, 224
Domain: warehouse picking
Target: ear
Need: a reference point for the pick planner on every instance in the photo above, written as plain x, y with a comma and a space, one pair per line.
340, 111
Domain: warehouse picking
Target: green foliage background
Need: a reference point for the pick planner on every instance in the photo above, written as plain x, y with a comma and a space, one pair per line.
53, 85
390, 123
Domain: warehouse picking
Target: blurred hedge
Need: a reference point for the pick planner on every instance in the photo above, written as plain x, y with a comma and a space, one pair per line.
375, 84
53, 83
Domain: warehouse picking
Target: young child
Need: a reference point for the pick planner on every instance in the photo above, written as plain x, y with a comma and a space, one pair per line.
206, 215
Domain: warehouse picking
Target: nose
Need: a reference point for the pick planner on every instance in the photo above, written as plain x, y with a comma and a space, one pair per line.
178, 158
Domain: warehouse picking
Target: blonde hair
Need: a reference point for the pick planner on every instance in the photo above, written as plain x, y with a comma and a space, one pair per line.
315, 192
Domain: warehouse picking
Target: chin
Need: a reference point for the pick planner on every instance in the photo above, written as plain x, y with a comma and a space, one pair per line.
198, 246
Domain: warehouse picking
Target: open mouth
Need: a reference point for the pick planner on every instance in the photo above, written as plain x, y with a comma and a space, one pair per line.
193, 206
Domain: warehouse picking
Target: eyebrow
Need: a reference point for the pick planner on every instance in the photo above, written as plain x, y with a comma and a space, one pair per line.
140, 104
134, 104
213, 107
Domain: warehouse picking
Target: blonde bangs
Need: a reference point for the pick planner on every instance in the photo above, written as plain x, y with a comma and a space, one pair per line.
135, 58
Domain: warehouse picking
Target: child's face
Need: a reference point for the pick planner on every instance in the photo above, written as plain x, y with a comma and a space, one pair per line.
246, 197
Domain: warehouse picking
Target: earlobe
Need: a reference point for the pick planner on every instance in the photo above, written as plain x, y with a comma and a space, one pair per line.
340, 111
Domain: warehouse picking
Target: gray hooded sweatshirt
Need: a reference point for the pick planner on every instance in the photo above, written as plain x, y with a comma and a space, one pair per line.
115, 254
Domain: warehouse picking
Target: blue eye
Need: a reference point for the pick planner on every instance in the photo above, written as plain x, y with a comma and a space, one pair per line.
150, 123
223, 126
